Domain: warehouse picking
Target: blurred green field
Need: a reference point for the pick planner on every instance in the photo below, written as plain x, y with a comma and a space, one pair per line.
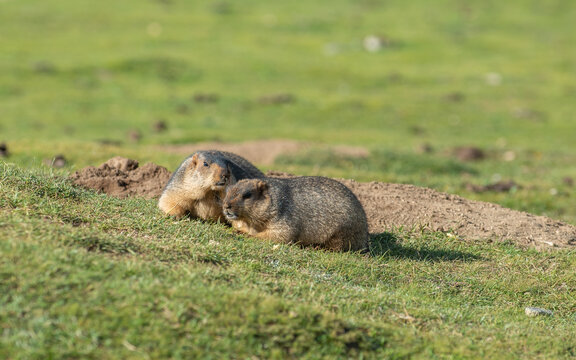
78, 78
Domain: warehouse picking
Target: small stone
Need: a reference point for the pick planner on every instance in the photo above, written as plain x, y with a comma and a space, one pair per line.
493, 79
509, 156
535, 311
375, 43
372, 43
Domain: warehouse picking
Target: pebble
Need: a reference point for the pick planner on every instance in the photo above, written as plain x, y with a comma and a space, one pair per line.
535, 311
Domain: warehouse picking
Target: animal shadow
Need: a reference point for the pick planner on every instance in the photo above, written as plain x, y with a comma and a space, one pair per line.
388, 244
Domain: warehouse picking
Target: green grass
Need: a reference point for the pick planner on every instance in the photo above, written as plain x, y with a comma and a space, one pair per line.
87, 276
92, 70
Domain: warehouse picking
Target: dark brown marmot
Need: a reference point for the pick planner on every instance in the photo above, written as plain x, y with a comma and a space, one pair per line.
307, 210
198, 185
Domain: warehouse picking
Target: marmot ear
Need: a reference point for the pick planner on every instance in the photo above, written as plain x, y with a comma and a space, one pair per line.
262, 186
193, 161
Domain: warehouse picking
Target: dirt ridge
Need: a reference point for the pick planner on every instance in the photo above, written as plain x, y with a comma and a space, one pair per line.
394, 205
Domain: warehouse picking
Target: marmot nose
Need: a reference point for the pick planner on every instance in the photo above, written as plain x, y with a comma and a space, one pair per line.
227, 206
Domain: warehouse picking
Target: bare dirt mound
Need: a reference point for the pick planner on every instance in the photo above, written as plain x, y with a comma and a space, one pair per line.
263, 152
122, 178
388, 206
392, 205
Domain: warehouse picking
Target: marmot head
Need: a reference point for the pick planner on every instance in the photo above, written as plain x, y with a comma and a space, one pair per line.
206, 171
248, 199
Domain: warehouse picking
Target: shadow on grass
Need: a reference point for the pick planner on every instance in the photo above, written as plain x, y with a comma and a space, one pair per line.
388, 244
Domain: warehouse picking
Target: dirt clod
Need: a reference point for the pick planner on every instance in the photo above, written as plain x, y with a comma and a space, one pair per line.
455, 96
469, 153
134, 135
3, 150
44, 67
424, 148
120, 163
277, 99
206, 98
499, 186
160, 126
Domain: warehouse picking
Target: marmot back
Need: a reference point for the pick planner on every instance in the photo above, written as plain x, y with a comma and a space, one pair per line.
198, 185
240, 167
307, 210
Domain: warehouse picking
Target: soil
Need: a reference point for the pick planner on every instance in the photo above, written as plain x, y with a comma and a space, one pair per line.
123, 178
468, 153
388, 206
499, 186
4, 150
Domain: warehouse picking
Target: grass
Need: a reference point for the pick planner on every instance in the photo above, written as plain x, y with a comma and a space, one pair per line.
87, 276
96, 60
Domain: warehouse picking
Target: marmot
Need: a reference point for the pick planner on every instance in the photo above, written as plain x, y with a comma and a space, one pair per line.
198, 185
308, 210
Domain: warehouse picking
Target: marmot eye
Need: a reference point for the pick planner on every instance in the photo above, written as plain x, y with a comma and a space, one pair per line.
246, 195
205, 163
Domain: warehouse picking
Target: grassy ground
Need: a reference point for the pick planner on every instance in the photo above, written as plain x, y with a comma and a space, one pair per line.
86, 276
